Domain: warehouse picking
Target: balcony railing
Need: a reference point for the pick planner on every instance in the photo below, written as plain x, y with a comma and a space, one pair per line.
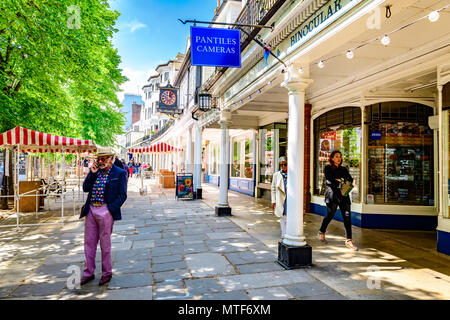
168, 125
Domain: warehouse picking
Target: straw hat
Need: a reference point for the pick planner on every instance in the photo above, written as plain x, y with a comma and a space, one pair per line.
105, 151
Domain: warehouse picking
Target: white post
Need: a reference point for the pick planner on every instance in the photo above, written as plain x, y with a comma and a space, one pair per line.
296, 86
62, 185
189, 151
17, 185
222, 208
198, 158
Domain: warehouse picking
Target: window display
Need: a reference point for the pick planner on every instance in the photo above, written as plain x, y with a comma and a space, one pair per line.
338, 130
242, 166
400, 156
273, 141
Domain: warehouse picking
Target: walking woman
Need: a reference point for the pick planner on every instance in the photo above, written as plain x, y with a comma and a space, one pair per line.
335, 173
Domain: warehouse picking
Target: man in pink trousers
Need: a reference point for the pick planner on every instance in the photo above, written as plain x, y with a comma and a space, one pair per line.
107, 187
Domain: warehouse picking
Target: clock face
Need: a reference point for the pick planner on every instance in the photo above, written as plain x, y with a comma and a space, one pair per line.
168, 98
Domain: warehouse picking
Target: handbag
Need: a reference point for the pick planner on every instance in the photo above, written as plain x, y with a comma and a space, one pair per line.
81, 211
346, 187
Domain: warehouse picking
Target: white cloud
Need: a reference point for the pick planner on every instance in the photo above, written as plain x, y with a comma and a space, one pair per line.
137, 79
135, 25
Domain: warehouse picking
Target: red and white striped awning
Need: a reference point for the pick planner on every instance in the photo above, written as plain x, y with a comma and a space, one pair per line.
35, 141
160, 147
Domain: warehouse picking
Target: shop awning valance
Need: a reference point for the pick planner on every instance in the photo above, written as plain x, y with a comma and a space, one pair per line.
160, 147
35, 141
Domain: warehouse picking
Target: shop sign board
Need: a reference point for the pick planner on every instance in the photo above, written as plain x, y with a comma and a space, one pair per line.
375, 135
185, 187
215, 47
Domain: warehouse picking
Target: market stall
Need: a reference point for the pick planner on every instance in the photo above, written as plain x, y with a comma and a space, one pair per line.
37, 184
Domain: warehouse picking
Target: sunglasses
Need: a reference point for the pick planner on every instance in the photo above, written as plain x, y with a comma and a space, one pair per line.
103, 159
283, 164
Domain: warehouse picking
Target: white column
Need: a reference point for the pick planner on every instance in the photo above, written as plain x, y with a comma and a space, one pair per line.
224, 146
296, 86
197, 157
189, 151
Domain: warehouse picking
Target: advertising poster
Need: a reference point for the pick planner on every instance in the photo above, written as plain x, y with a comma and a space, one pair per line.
185, 186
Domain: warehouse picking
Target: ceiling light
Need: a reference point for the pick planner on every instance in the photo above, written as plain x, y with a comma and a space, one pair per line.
350, 54
385, 40
434, 16
269, 83
300, 70
321, 64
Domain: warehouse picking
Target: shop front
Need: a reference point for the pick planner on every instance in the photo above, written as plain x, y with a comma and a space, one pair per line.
391, 157
242, 168
272, 146
212, 163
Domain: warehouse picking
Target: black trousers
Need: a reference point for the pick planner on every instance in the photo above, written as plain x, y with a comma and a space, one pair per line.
344, 206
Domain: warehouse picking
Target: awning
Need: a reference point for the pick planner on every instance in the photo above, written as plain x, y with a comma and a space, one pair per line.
35, 141
160, 147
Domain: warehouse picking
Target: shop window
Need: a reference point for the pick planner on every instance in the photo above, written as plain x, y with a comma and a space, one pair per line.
343, 133
242, 165
214, 168
273, 142
400, 155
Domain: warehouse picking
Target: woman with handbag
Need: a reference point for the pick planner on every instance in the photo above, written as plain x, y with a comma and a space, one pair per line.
336, 175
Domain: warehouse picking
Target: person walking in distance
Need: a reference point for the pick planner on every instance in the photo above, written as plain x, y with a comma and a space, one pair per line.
107, 187
278, 193
335, 174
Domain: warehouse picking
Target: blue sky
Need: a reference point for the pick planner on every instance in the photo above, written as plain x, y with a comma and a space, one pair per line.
150, 34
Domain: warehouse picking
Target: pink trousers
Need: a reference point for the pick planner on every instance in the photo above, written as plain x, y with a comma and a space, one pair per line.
98, 226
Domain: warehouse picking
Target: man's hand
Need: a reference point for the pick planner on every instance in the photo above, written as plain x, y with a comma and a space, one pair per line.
94, 167
273, 205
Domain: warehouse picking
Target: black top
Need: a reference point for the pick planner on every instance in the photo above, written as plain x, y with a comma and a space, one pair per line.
333, 193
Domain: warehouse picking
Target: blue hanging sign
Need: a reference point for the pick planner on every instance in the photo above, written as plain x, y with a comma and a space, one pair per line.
214, 47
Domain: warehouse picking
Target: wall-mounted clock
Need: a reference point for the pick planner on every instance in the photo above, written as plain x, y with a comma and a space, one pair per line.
168, 97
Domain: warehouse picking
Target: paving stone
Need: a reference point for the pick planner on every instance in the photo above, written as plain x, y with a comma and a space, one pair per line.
131, 266
132, 280
135, 254
41, 289
316, 288
170, 276
259, 267
121, 246
194, 237
335, 296
251, 257
54, 271
234, 295
261, 280
208, 264
143, 244
202, 286
274, 293
168, 242
161, 251
123, 227
159, 267
172, 290
165, 259
149, 230
140, 293
6, 289
228, 235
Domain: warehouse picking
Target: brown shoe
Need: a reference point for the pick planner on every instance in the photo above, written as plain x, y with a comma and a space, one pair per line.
85, 280
322, 237
104, 280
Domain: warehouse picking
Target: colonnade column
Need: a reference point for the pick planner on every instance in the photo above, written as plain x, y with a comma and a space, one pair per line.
293, 251
189, 151
222, 208
198, 161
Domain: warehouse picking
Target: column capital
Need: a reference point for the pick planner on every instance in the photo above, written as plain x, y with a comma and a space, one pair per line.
225, 118
294, 81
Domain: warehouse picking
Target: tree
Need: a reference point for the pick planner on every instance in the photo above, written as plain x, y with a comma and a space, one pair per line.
58, 67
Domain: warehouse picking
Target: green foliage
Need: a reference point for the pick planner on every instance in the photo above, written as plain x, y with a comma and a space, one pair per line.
56, 75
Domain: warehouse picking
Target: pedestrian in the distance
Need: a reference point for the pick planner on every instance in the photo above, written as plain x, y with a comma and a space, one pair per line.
278, 193
130, 168
107, 187
335, 173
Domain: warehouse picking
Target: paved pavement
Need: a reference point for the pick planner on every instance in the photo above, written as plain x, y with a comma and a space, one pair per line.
167, 249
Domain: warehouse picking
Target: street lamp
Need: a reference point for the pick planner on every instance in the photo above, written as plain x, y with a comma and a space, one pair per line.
204, 102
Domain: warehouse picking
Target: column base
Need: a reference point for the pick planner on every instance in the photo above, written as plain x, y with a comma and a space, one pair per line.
198, 193
223, 212
290, 257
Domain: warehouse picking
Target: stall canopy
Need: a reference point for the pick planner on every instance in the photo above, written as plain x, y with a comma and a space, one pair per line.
35, 141
160, 147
